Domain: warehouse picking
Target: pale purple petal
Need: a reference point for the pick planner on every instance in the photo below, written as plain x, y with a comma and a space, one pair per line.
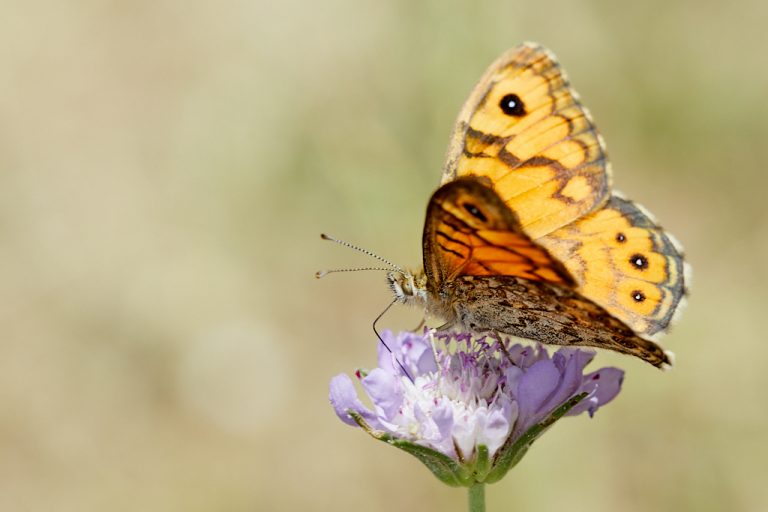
343, 397
385, 391
508, 407
412, 347
441, 428
494, 431
464, 432
602, 386
386, 358
512, 376
409, 349
571, 363
425, 363
535, 387
420, 415
525, 356
442, 415
512, 411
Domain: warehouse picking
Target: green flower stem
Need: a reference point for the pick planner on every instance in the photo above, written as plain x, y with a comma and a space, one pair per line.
477, 498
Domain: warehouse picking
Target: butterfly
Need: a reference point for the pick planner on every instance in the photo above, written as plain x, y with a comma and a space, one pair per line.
525, 237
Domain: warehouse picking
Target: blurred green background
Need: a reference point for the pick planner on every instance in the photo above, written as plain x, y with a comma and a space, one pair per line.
168, 166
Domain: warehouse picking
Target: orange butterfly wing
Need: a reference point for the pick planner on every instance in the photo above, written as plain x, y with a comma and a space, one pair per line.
524, 128
470, 231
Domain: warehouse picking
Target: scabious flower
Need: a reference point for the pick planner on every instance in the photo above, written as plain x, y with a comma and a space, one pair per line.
469, 408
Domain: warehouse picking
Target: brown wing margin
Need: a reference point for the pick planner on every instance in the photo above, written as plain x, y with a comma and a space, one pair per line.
470, 231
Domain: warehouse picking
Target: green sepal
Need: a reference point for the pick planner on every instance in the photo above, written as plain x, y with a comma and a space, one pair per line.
482, 463
443, 467
511, 452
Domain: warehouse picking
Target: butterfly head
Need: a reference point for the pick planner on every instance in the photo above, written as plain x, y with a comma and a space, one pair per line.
409, 287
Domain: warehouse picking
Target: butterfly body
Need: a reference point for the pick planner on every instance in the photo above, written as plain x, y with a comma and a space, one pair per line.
525, 237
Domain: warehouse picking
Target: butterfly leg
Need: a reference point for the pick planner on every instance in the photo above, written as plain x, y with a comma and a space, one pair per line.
502, 346
445, 327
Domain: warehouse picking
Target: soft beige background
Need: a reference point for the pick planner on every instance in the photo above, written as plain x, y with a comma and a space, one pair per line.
166, 168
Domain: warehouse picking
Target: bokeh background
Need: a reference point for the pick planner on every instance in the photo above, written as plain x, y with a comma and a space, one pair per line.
166, 168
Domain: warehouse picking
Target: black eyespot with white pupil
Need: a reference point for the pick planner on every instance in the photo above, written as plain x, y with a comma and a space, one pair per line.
639, 261
512, 105
621, 237
475, 212
638, 296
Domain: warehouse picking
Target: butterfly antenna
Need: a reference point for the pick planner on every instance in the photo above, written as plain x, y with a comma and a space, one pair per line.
322, 273
385, 343
364, 251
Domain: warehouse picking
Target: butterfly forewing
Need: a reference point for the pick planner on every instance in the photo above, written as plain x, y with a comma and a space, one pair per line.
469, 231
524, 128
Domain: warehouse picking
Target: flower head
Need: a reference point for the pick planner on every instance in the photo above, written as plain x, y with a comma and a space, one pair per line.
470, 407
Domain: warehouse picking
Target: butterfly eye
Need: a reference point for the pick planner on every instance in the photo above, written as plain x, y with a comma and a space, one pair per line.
512, 105
475, 212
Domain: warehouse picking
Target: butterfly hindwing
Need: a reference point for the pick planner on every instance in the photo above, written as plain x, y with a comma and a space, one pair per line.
544, 312
622, 260
524, 128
